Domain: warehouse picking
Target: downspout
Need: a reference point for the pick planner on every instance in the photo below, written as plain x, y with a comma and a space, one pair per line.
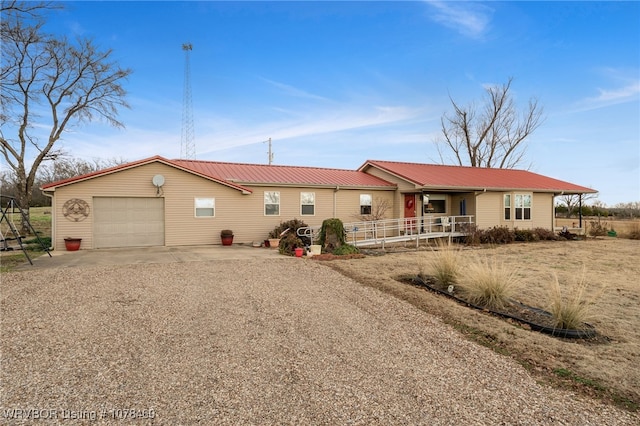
335, 200
53, 220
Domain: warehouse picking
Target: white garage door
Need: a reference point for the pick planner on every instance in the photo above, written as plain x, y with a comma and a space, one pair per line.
128, 222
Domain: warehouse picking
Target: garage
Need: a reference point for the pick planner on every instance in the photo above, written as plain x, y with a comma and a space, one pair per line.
128, 222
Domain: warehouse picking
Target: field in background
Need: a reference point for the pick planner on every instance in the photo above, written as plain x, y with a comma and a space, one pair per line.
40, 218
622, 227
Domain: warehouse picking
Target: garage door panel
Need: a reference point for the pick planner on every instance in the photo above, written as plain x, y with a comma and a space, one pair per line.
128, 222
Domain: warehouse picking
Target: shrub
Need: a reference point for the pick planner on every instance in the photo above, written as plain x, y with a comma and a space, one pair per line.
525, 235
489, 284
572, 309
444, 264
292, 225
289, 242
597, 228
566, 235
497, 235
543, 234
332, 234
346, 249
472, 233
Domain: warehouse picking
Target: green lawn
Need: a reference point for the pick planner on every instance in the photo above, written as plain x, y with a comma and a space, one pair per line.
40, 218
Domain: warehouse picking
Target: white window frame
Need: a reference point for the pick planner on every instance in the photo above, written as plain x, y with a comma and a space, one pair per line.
506, 203
366, 200
521, 207
202, 205
272, 198
308, 199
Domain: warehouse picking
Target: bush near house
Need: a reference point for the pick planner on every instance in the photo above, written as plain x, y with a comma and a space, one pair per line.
290, 240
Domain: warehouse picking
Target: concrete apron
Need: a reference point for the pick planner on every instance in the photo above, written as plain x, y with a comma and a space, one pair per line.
127, 256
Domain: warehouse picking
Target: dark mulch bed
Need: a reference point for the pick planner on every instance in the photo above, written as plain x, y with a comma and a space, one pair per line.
330, 256
528, 317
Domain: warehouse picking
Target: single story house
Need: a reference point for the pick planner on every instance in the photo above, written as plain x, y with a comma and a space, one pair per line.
162, 202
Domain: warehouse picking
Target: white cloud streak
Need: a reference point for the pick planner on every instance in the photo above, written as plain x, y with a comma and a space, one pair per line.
629, 92
469, 19
293, 91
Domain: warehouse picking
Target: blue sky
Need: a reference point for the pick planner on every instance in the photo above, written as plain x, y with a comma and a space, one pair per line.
336, 83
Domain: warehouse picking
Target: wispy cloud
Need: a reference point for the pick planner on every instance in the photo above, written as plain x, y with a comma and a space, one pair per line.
293, 91
310, 125
628, 90
469, 19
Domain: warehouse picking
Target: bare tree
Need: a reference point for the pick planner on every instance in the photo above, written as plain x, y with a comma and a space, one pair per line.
379, 209
574, 201
64, 167
493, 136
43, 75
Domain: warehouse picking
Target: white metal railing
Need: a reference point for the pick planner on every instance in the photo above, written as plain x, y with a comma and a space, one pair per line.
401, 229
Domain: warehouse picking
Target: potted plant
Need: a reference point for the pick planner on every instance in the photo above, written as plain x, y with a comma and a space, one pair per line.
72, 244
226, 235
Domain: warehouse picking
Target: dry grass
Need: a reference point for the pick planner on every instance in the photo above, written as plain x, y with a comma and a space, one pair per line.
625, 228
572, 306
489, 283
610, 363
444, 263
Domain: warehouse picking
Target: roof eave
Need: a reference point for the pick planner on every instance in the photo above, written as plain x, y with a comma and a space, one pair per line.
318, 185
52, 186
505, 189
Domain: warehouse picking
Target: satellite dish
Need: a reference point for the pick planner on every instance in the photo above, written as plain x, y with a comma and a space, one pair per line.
158, 180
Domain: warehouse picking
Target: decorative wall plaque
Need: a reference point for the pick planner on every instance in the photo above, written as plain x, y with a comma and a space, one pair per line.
75, 210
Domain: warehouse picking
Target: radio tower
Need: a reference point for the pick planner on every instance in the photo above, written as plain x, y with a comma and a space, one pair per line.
187, 146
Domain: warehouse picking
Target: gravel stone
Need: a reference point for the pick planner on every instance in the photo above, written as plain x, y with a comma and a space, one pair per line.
275, 341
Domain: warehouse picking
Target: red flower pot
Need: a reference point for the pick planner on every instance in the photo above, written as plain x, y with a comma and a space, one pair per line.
72, 244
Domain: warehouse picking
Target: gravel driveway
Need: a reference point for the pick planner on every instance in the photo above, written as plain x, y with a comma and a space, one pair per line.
277, 341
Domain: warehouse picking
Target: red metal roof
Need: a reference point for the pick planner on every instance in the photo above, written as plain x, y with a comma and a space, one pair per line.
435, 176
284, 175
431, 176
237, 175
132, 164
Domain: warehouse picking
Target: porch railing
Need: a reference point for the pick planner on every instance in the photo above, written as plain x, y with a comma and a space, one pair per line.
401, 229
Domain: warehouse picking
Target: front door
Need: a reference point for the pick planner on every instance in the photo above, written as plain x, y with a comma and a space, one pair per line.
410, 223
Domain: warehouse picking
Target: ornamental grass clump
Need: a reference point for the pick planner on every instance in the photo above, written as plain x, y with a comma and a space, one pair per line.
572, 309
489, 284
443, 263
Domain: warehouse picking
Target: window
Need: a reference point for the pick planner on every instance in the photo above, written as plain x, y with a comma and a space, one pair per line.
435, 204
205, 207
507, 206
308, 203
523, 206
365, 203
272, 203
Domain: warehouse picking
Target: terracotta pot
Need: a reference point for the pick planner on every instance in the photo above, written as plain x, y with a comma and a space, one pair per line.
227, 241
274, 242
72, 244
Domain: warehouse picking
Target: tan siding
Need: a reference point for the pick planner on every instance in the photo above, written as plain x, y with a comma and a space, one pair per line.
403, 185
488, 209
244, 214
542, 211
